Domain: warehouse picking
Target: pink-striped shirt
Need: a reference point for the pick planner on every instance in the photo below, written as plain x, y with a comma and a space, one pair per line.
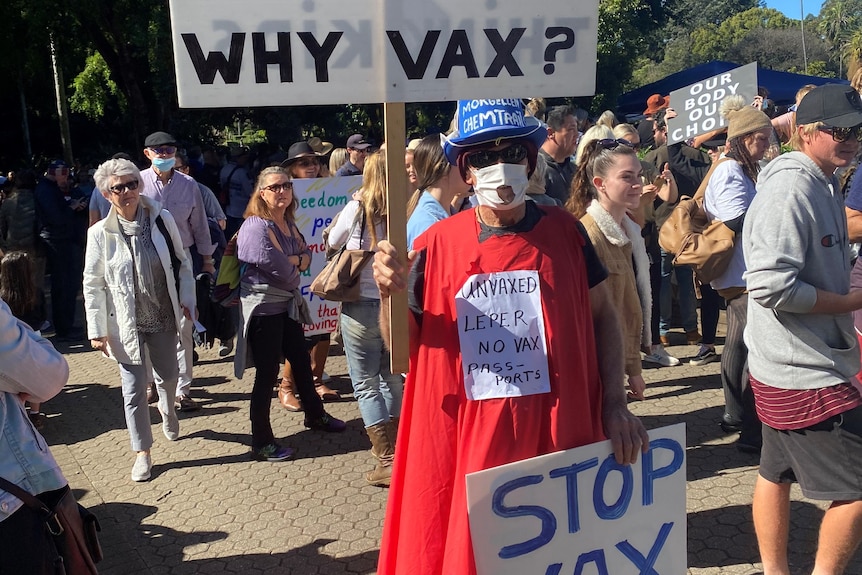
799, 408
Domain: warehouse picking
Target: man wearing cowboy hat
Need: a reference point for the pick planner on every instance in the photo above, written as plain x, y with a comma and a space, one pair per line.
466, 409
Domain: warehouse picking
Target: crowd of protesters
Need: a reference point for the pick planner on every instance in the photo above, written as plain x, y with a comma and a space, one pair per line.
137, 238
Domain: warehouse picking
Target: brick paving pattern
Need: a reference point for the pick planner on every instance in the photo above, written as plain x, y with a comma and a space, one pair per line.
210, 509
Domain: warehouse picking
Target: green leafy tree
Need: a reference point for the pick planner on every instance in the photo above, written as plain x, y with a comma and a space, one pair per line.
624, 28
713, 42
692, 14
93, 88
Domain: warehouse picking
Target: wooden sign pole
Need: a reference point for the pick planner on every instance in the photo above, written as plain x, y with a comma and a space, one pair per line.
397, 192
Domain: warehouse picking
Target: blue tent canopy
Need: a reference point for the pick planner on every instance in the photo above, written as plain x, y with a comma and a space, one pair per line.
782, 86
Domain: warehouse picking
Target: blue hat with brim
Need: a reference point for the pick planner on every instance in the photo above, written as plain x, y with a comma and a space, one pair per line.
486, 121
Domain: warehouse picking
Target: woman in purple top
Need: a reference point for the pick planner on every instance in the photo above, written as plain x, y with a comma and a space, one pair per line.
272, 309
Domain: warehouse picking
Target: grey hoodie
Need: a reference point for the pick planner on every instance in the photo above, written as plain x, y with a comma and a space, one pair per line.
795, 241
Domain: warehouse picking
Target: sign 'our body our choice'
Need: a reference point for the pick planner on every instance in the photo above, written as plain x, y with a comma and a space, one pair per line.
697, 105
577, 512
272, 53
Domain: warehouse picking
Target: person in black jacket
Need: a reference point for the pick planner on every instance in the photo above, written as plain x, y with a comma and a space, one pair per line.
57, 211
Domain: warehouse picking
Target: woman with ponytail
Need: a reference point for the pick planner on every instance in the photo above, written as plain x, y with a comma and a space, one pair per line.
606, 187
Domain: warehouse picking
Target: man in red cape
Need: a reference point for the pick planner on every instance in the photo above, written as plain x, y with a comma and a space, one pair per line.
508, 269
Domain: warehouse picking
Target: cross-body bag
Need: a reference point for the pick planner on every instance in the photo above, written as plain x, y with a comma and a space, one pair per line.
73, 529
706, 246
339, 279
175, 261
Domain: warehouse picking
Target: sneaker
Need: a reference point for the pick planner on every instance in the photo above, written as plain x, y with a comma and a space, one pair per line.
660, 357
141, 469
171, 425
225, 348
186, 403
704, 356
325, 423
272, 452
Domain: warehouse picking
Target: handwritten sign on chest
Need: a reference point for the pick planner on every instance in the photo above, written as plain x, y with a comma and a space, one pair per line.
502, 335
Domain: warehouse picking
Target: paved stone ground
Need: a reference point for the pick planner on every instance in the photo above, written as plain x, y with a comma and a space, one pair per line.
210, 509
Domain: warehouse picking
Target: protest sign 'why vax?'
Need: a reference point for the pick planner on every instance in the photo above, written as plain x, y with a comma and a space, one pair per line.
266, 53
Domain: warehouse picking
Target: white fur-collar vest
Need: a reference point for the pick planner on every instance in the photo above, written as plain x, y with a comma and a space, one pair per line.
618, 235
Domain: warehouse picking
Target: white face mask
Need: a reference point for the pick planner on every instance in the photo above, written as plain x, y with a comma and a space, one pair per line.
496, 176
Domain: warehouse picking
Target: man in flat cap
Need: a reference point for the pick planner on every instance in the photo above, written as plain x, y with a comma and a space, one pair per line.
178, 193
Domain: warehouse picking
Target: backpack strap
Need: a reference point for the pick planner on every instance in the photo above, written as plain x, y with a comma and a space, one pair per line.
701, 190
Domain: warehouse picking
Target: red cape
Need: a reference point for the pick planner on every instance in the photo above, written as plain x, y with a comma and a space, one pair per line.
443, 435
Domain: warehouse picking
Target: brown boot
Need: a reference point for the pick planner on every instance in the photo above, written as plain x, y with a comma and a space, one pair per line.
392, 430
384, 450
325, 392
287, 396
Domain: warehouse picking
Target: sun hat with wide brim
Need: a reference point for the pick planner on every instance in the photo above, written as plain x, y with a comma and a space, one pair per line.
297, 151
320, 146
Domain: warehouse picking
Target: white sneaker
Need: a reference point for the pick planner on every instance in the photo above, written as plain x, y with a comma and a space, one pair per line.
661, 357
141, 469
171, 424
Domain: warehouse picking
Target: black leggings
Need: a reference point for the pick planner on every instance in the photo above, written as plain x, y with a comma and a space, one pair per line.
271, 338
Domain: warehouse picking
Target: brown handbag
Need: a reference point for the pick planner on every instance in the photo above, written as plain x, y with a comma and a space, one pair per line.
695, 241
339, 279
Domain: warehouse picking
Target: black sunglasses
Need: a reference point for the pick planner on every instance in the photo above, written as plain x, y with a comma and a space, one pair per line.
609, 144
163, 150
843, 134
513, 154
122, 188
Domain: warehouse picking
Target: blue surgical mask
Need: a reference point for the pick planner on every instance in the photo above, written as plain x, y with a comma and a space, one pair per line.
164, 164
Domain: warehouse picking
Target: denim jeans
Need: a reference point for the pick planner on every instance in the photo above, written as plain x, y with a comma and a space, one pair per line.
685, 295
378, 392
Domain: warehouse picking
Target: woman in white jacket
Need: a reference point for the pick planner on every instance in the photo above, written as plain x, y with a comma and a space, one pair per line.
137, 285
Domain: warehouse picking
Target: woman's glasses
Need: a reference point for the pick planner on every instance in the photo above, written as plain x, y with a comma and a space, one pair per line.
513, 154
278, 188
843, 134
609, 144
124, 187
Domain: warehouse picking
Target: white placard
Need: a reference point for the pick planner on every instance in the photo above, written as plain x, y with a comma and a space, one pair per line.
577, 511
502, 335
319, 201
698, 104
272, 53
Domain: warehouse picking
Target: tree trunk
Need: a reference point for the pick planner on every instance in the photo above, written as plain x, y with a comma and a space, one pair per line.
62, 106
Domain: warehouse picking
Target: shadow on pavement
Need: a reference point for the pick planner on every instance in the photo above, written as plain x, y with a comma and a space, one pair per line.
131, 546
